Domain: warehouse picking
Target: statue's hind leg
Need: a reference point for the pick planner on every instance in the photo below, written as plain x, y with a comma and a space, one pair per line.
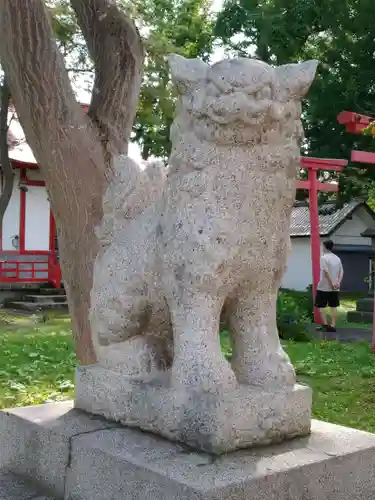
131, 334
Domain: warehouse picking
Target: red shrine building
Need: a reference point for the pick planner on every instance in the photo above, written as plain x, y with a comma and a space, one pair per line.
28, 243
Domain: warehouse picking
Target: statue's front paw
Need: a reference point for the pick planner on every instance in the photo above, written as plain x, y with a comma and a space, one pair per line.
273, 370
203, 375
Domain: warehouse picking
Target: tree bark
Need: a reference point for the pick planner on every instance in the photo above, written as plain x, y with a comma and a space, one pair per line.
6, 166
115, 47
73, 151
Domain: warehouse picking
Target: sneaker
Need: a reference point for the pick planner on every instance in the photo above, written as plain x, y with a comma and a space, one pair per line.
330, 329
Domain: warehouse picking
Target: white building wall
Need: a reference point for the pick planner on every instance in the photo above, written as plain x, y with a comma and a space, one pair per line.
37, 216
11, 221
37, 220
299, 272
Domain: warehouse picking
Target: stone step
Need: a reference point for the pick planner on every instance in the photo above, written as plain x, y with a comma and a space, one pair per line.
359, 317
13, 487
43, 298
50, 291
365, 305
36, 306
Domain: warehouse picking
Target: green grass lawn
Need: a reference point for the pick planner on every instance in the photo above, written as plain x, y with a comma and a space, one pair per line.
37, 365
342, 377
37, 359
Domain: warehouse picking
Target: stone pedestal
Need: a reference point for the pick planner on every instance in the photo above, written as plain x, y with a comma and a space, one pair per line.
215, 423
74, 456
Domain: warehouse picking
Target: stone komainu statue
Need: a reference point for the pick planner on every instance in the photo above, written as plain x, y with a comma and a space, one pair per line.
211, 236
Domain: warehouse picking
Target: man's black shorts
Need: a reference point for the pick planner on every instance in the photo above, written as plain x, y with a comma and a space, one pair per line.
324, 299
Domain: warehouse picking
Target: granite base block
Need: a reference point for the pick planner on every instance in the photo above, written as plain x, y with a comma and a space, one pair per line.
116, 463
215, 423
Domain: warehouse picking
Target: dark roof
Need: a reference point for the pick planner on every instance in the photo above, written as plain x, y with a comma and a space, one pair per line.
364, 249
329, 217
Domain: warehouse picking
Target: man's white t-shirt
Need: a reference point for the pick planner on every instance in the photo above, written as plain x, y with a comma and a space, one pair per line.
332, 264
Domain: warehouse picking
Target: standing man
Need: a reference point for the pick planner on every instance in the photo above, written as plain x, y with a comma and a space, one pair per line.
327, 294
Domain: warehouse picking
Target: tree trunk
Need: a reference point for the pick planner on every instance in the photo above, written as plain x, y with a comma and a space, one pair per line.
6, 166
73, 150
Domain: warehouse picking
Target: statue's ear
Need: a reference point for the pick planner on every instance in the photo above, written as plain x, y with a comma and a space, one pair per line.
186, 72
295, 79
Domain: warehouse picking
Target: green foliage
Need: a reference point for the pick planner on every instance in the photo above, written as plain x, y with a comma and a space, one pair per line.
371, 195
226, 344
68, 36
184, 27
294, 306
294, 312
293, 331
339, 35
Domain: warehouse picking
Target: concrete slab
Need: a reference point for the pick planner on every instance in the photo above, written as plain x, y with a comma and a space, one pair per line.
35, 441
16, 488
73, 456
334, 463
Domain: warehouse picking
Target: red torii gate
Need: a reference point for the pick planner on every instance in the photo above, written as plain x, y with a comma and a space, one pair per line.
312, 184
356, 123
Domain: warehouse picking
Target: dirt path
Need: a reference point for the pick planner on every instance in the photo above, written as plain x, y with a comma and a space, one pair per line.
344, 335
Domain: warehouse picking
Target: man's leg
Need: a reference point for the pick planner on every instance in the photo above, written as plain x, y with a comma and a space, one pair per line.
333, 316
321, 304
334, 302
323, 316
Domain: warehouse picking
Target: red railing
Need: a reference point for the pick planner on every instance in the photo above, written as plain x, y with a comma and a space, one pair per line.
24, 271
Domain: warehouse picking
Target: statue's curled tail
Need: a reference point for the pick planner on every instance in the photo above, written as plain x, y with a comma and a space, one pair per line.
130, 191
